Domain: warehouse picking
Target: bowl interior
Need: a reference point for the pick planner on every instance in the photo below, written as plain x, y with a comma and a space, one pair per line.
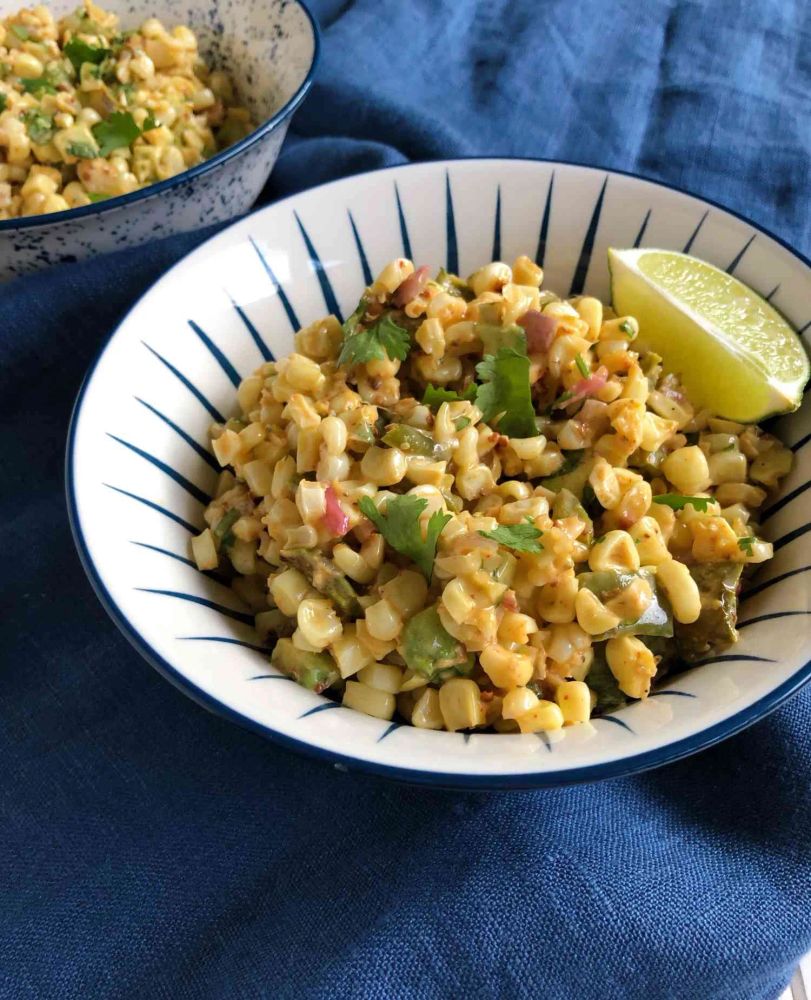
266, 45
139, 471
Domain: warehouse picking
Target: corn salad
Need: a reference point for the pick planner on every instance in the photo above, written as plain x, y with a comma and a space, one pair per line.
476, 505
88, 111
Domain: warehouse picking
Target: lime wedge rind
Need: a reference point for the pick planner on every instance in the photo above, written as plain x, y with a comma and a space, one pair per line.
740, 371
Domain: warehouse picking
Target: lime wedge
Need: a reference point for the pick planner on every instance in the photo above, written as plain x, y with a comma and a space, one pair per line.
736, 355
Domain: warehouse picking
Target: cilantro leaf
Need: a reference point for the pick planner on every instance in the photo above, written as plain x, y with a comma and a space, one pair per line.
435, 395
400, 526
504, 396
582, 367
676, 501
98, 197
745, 544
82, 150
80, 52
37, 85
40, 127
115, 132
149, 123
521, 537
383, 339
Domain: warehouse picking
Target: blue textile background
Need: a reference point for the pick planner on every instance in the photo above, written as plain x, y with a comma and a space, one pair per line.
149, 849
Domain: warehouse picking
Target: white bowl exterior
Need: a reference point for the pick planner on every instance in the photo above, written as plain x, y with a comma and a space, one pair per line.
268, 47
263, 265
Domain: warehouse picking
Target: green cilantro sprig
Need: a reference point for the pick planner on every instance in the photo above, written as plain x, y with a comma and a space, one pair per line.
504, 396
435, 395
115, 132
80, 52
383, 339
400, 526
40, 127
37, 85
745, 544
521, 537
676, 501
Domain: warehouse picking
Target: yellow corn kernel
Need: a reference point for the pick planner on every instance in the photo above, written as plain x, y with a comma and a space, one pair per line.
363, 698
665, 517
632, 601
516, 628
649, 541
311, 501
303, 374
457, 600
259, 477
301, 410
307, 449
227, 447
426, 713
383, 621
714, 540
431, 338
352, 564
384, 466
243, 556
505, 668
614, 551
204, 551
378, 648
688, 470
681, 589
320, 340
592, 615
632, 664
288, 589
590, 311
248, 393
526, 272
350, 654
518, 702
678, 410
574, 701
490, 278
406, 592
460, 704
546, 716
392, 276
318, 622
727, 467
603, 481
731, 493
655, 431
382, 677
556, 601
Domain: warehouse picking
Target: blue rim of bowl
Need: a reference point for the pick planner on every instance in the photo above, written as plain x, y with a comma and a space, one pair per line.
153, 190
623, 766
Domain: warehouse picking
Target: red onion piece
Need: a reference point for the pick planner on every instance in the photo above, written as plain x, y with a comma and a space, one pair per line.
410, 288
588, 386
337, 523
540, 330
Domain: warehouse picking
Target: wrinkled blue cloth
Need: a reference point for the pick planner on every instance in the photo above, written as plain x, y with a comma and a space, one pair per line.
149, 849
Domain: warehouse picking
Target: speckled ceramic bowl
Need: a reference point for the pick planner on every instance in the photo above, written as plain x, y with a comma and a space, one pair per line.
270, 48
139, 472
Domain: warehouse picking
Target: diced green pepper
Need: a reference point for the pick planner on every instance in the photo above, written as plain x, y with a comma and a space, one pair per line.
604, 685
715, 628
454, 285
316, 671
222, 530
655, 620
327, 579
431, 651
572, 475
566, 504
416, 442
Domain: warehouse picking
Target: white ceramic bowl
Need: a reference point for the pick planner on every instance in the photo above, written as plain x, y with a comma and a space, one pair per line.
139, 472
270, 48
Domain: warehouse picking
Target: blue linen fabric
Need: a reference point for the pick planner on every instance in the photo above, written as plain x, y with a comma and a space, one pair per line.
149, 849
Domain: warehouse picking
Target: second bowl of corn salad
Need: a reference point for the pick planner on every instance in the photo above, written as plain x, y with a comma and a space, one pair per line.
116, 127
457, 523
